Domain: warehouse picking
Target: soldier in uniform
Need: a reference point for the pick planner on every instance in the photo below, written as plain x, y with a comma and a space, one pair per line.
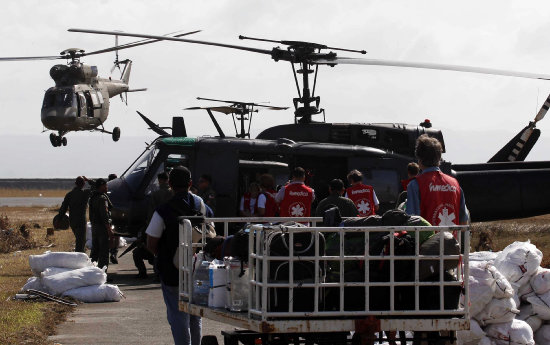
206, 192
100, 217
433, 195
76, 202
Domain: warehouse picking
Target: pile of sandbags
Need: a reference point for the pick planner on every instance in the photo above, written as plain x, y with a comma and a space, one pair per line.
70, 274
509, 298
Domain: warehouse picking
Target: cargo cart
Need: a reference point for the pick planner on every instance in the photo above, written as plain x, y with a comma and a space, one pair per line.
413, 292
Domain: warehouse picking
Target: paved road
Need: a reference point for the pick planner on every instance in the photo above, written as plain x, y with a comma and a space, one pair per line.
138, 319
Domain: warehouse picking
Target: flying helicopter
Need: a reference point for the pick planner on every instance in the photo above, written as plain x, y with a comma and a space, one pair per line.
498, 189
79, 101
241, 111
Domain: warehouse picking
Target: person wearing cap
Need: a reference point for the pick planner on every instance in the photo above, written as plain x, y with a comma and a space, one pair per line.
336, 191
162, 240
100, 217
76, 202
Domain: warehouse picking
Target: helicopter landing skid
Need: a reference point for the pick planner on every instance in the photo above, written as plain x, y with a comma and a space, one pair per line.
58, 140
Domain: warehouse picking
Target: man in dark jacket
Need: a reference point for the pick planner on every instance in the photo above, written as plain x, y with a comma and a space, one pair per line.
346, 206
100, 217
162, 240
76, 202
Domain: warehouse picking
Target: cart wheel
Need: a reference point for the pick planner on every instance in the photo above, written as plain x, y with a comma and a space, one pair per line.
209, 340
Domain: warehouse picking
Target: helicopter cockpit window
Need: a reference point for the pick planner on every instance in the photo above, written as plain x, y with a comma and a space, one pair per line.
134, 175
59, 98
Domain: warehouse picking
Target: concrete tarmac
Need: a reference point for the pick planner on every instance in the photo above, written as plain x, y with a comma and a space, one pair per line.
139, 318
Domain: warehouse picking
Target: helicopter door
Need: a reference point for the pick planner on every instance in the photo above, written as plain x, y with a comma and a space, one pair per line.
89, 104
82, 108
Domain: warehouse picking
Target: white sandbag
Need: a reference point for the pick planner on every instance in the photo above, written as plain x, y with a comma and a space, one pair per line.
471, 336
540, 281
525, 291
89, 235
86, 276
497, 311
526, 314
50, 271
542, 336
515, 332
481, 293
34, 283
518, 262
40, 262
484, 341
483, 256
95, 293
121, 242
540, 305
485, 270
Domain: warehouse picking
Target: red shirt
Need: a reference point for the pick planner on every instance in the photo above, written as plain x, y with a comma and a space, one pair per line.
362, 196
246, 203
405, 183
271, 209
439, 198
296, 201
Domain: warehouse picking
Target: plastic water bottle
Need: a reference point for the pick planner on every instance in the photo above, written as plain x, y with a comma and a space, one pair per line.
201, 284
237, 285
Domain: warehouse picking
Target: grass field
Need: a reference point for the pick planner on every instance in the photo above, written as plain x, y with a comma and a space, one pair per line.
24, 193
28, 322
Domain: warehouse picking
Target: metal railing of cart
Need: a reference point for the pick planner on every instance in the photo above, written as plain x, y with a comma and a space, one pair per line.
261, 316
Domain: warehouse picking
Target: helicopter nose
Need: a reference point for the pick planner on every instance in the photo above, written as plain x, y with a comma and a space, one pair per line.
58, 117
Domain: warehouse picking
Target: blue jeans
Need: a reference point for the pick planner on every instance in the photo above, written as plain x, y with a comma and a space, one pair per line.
186, 329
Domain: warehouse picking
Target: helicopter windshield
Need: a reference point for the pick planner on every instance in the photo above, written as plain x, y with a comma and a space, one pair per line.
59, 98
134, 174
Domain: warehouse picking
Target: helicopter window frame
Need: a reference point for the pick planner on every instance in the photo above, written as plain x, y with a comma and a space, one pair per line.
96, 101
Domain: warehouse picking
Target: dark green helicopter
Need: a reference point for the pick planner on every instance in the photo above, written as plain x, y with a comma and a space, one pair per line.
505, 187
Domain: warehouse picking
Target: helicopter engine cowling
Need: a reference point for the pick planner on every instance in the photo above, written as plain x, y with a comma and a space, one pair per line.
66, 75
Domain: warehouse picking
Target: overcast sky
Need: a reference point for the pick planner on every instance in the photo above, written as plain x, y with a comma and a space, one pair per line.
477, 113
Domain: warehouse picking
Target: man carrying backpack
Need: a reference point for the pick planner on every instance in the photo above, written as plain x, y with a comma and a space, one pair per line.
162, 241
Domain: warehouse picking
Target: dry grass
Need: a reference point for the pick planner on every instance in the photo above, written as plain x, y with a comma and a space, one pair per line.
23, 193
29, 322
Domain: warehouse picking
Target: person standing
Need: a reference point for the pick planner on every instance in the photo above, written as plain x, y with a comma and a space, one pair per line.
162, 241
248, 206
206, 192
76, 202
412, 171
295, 198
362, 195
433, 195
267, 207
158, 197
345, 206
100, 217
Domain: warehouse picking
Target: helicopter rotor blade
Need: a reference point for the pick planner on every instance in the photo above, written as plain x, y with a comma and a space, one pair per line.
177, 39
156, 128
427, 65
543, 110
223, 109
138, 43
28, 58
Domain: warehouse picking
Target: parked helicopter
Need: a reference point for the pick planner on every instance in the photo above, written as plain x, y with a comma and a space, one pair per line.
79, 101
493, 190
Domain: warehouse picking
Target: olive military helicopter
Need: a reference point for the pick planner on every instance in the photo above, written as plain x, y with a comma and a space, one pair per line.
79, 101
498, 189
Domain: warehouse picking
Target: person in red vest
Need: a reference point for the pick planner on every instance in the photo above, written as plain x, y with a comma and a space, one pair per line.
412, 171
295, 198
249, 201
433, 195
267, 206
362, 195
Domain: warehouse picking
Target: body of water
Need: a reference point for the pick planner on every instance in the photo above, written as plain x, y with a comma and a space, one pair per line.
31, 201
